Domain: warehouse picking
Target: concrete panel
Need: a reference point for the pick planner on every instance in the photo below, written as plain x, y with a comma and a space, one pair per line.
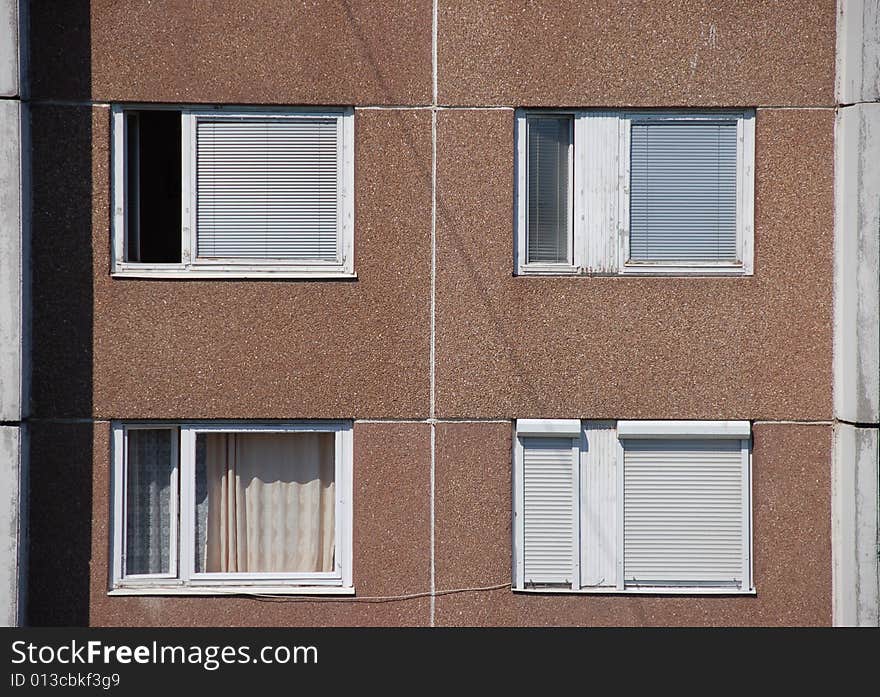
858, 51
791, 506
11, 525
280, 349
9, 48
618, 52
857, 264
391, 546
855, 526
227, 51
11, 274
624, 347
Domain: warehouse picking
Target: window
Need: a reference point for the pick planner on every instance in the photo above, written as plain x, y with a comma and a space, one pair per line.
214, 192
202, 508
632, 506
636, 192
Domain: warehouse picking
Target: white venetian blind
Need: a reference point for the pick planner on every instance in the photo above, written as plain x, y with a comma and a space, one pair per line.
683, 512
549, 212
548, 500
267, 188
683, 191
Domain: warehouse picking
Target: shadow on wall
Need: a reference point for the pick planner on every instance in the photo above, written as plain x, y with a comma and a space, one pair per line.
60, 499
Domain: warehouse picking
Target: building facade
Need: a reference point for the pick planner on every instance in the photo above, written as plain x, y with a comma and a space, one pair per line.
379, 313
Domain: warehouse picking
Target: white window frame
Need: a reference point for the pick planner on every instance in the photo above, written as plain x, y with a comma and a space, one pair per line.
653, 430
185, 580
193, 267
600, 212
574, 253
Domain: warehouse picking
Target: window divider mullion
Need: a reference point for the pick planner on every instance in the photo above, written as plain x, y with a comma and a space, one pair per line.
519, 517
187, 499
623, 190
120, 464
576, 510
571, 194
620, 514
579, 168
188, 187
745, 445
174, 537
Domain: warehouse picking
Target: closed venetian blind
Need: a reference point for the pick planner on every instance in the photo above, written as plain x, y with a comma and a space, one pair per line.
683, 512
267, 189
683, 191
548, 500
549, 140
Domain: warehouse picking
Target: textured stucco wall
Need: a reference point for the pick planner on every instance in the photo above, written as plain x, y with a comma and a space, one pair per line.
753, 348
725, 348
391, 540
265, 52
791, 468
233, 349
620, 52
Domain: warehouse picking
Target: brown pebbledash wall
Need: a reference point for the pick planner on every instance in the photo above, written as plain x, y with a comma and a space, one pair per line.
228, 51
754, 347
391, 548
626, 53
791, 466
791, 530
282, 349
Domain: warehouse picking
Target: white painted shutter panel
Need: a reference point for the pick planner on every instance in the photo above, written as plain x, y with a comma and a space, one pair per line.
599, 506
683, 191
548, 510
683, 512
267, 188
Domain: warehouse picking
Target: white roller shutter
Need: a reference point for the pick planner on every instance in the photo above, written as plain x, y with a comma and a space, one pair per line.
684, 518
549, 510
268, 188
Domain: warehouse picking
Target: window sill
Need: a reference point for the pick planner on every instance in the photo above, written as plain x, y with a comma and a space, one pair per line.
639, 591
695, 270
639, 271
157, 590
231, 273
549, 270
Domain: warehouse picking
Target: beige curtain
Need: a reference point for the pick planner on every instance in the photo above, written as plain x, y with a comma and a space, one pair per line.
271, 502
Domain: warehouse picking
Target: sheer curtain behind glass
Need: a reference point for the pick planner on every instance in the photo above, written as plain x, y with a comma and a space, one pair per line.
265, 502
549, 139
148, 501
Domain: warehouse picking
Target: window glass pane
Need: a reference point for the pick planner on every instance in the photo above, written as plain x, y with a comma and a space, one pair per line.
267, 188
265, 502
549, 139
153, 186
683, 191
148, 501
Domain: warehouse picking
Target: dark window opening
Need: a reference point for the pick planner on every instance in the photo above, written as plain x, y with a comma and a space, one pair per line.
153, 187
